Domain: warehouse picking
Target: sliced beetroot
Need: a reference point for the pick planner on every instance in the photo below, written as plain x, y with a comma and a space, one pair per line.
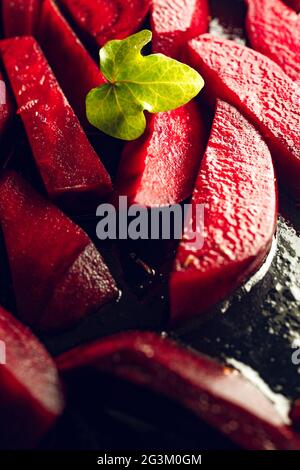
174, 23
102, 20
30, 392
261, 90
58, 275
71, 171
69, 60
20, 16
236, 183
274, 30
217, 394
160, 168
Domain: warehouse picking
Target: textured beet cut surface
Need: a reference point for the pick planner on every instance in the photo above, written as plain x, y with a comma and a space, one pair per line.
274, 30
71, 171
217, 394
261, 90
236, 183
160, 168
102, 20
175, 22
58, 275
30, 393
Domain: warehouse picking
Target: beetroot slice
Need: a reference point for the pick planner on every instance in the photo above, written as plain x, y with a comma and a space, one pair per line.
58, 275
236, 184
20, 16
102, 20
274, 30
30, 392
160, 168
217, 394
261, 90
71, 170
174, 23
68, 58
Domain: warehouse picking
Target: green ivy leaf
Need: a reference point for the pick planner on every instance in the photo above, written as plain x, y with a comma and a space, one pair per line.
137, 83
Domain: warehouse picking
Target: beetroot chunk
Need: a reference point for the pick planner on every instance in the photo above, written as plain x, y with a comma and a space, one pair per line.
58, 275
236, 184
102, 20
274, 30
70, 169
174, 23
20, 16
160, 168
30, 392
261, 90
217, 394
68, 58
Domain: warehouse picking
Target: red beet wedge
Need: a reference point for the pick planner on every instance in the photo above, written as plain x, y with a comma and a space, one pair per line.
20, 16
174, 23
217, 394
30, 392
160, 168
68, 58
71, 171
274, 30
236, 184
102, 20
261, 90
58, 275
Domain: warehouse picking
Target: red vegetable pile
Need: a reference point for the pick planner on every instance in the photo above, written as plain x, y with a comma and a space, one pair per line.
58, 275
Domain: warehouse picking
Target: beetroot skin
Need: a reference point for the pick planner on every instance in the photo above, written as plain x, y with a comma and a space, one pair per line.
174, 23
102, 20
160, 168
69, 60
217, 394
261, 90
274, 30
71, 171
20, 16
30, 392
58, 275
236, 183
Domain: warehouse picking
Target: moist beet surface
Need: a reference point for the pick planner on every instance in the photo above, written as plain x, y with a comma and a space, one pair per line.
254, 330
